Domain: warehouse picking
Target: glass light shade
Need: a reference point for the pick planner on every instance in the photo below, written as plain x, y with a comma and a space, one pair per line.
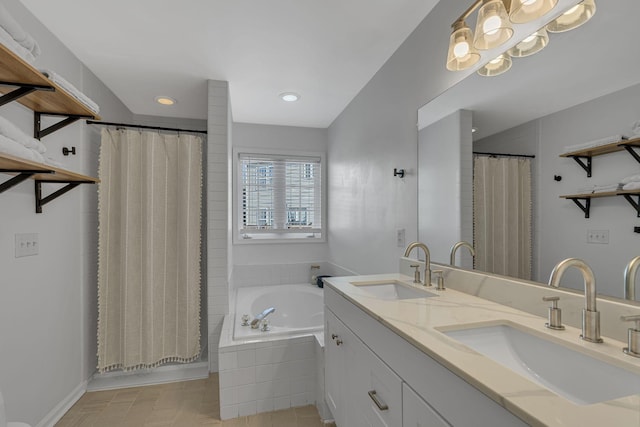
574, 17
530, 45
496, 66
493, 27
462, 54
523, 11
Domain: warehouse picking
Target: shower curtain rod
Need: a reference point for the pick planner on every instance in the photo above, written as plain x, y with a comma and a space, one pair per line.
505, 155
127, 125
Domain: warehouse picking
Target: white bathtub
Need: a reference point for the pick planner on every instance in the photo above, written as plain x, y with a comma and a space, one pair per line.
299, 310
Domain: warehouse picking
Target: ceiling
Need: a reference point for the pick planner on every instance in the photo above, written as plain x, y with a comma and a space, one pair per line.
326, 51
596, 59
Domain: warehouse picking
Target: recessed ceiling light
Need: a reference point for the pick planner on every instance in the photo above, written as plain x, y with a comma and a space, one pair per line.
165, 100
289, 96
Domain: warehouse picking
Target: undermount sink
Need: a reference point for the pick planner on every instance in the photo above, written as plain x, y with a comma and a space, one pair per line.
392, 289
570, 373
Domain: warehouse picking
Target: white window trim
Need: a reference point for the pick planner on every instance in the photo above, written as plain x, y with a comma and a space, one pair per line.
276, 236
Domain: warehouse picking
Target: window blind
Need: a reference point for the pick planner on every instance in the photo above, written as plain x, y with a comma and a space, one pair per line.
280, 194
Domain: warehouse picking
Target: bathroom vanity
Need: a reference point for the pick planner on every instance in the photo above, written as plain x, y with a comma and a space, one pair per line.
392, 359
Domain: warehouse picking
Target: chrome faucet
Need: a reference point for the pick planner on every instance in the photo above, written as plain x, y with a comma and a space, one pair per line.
256, 322
454, 249
427, 260
630, 278
590, 316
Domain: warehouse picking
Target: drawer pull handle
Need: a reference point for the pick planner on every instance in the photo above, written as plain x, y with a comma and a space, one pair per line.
381, 405
334, 336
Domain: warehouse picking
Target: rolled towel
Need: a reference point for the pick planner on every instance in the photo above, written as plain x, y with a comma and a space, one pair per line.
631, 186
630, 178
71, 89
12, 148
12, 132
12, 45
18, 33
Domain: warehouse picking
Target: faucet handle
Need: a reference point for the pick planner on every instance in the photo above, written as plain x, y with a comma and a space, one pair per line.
439, 280
416, 275
633, 336
555, 314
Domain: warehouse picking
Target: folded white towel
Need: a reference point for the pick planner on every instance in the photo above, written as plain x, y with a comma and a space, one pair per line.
71, 89
606, 188
632, 186
630, 178
54, 163
12, 148
18, 33
11, 44
596, 143
12, 132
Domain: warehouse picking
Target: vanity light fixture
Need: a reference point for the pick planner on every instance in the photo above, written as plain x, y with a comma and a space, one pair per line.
495, 67
493, 27
574, 17
289, 96
165, 100
523, 11
531, 44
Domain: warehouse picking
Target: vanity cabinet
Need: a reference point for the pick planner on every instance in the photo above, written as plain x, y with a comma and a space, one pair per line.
360, 389
418, 390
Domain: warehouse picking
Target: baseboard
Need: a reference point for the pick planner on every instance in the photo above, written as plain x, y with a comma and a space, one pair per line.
61, 408
161, 375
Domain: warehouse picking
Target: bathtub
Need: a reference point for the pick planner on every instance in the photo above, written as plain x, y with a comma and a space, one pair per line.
299, 310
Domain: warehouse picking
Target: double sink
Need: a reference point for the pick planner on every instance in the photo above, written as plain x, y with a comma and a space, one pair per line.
571, 371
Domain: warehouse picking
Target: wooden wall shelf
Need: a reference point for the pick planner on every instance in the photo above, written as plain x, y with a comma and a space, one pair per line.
22, 170
583, 200
588, 153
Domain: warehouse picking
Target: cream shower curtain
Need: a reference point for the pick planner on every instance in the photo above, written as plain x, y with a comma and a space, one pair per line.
149, 249
502, 215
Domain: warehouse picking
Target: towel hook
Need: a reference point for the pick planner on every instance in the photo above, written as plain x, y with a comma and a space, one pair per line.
398, 172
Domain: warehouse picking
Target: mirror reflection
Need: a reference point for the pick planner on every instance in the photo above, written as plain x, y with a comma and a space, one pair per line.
582, 89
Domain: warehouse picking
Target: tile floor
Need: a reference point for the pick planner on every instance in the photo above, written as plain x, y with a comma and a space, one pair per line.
183, 404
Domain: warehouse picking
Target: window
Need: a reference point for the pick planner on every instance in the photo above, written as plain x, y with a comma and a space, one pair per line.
279, 197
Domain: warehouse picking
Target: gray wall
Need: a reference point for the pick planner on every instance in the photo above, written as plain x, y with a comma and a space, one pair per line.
561, 228
445, 198
47, 302
376, 133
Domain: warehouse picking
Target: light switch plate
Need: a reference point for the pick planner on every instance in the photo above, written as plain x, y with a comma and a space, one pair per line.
598, 236
400, 233
27, 244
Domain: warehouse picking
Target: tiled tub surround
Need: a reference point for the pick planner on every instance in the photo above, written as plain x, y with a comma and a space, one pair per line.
417, 322
279, 369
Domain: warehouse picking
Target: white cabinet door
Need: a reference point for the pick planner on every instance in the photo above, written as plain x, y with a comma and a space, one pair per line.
378, 390
334, 369
417, 413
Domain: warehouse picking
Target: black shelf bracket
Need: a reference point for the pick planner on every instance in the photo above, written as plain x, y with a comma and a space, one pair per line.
586, 208
633, 152
585, 166
23, 89
634, 203
23, 175
41, 201
40, 133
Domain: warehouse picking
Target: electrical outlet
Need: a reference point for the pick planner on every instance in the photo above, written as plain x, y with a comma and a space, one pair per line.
27, 244
400, 237
598, 236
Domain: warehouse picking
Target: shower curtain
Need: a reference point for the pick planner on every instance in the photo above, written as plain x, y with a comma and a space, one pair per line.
149, 249
502, 215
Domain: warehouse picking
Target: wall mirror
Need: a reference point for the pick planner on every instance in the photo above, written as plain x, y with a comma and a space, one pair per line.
585, 85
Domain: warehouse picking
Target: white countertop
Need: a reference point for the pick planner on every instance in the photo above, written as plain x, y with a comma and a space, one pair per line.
418, 321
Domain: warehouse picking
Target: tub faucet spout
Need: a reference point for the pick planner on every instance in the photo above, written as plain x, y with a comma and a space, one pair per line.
256, 322
590, 316
427, 259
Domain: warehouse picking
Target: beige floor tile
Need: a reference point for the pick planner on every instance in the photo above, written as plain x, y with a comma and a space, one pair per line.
182, 404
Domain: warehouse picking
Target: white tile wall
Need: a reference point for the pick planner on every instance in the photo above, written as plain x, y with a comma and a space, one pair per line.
267, 376
217, 214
